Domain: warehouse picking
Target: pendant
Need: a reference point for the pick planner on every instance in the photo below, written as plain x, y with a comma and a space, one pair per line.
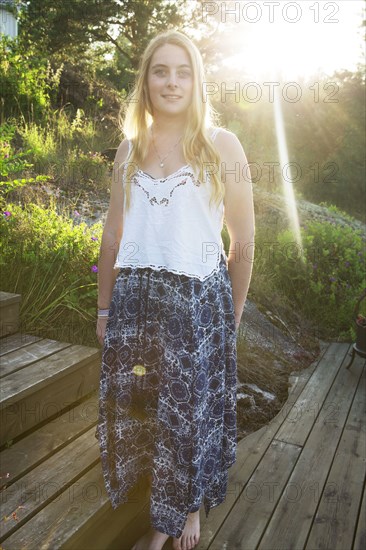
162, 164
139, 370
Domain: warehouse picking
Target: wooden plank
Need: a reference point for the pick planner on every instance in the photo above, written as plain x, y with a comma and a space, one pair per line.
69, 517
41, 485
9, 313
123, 526
25, 356
35, 448
291, 521
336, 518
360, 536
38, 374
130, 533
297, 426
77, 381
16, 341
249, 516
8, 298
250, 451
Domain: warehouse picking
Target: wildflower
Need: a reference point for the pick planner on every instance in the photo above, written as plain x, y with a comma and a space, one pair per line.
332, 279
347, 264
76, 213
94, 269
94, 238
7, 214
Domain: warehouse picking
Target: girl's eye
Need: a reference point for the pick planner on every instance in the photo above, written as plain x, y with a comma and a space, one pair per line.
162, 72
185, 74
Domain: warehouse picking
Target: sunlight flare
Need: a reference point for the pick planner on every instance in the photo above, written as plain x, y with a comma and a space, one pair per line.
287, 177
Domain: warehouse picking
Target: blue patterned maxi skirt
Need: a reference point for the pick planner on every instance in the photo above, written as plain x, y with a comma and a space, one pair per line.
167, 396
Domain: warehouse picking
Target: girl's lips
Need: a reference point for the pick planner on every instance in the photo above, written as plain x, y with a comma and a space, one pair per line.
172, 97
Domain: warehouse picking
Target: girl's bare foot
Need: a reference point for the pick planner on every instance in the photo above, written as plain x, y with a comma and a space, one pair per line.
151, 540
191, 533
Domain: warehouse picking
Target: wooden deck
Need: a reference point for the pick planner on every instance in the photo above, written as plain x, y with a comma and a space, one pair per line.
298, 483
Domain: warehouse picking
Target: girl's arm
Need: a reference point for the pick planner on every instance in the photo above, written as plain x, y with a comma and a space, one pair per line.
112, 232
239, 216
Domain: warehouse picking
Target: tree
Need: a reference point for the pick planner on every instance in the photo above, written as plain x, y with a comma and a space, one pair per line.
70, 28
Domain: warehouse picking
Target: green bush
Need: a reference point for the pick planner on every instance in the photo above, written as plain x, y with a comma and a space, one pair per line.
325, 277
11, 161
51, 260
64, 149
27, 79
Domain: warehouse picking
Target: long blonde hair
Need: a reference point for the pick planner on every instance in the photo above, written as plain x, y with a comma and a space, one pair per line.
198, 148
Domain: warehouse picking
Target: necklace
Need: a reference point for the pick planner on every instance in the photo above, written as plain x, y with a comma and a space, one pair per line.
162, 159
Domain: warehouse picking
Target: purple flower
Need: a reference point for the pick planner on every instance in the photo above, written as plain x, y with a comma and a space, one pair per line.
94, 238
332, 279
7, 214
346, 264
94, 269
76, 213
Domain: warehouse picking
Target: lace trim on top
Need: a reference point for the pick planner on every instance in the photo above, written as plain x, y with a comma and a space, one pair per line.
173, 270
143, 173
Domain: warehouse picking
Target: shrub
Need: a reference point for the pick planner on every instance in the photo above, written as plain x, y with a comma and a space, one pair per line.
51, 260
325, 278
27, 79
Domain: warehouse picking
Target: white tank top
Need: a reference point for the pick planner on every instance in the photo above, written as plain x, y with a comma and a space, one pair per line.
171, 226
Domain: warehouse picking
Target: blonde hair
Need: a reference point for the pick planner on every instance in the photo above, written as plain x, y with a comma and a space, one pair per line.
198, 148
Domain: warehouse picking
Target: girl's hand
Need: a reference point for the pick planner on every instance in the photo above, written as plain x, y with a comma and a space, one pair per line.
101, 326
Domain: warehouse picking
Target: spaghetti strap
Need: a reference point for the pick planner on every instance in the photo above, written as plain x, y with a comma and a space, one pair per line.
125, 162
214, 133
129, 148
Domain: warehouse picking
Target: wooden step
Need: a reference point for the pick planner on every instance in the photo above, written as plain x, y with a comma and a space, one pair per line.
9, 313
41, 378
53, 492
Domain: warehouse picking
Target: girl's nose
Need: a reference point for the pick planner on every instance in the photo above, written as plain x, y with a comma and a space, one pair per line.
172, 79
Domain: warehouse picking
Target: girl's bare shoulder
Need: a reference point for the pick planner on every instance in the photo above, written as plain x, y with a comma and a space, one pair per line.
225, 140
122, 150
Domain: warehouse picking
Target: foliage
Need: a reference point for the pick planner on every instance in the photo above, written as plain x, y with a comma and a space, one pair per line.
57, 256
324, 279
325, 140
11, 162
59, 152
26, 79
333, 165
85, 168
89, 21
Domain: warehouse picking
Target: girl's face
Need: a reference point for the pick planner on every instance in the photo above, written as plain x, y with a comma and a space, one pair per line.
170, 80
